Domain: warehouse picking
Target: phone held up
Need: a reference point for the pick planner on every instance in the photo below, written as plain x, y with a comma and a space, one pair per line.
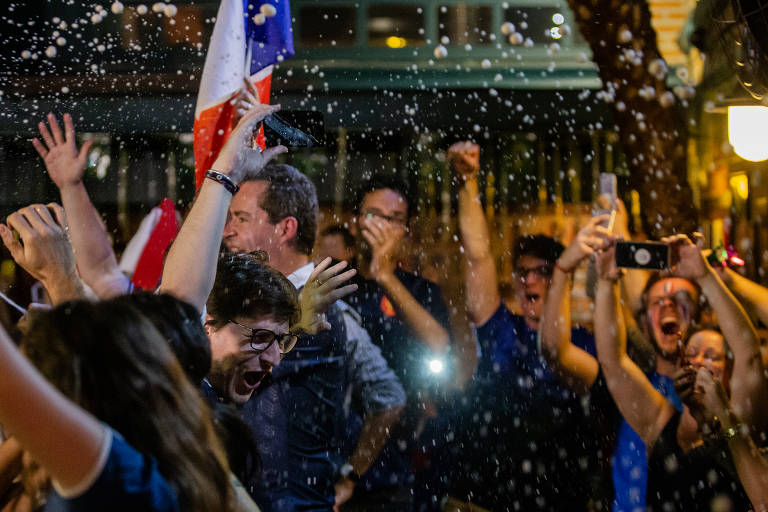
642, 255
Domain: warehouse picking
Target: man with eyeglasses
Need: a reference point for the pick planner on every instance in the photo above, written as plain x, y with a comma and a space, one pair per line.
249, 312
299, 418
518, 442
407, 318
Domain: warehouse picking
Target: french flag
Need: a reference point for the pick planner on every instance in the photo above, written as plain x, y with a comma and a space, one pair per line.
249, 37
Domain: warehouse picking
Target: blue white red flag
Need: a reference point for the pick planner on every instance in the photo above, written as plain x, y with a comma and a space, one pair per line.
249, 37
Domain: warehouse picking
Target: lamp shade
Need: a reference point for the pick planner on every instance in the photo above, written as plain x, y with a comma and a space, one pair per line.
748, 132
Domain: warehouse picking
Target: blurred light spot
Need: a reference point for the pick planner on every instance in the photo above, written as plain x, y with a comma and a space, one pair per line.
436, 366
396, 42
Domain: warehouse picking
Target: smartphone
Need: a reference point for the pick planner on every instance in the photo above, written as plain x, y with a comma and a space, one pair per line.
608, 188
644, 255
295, 128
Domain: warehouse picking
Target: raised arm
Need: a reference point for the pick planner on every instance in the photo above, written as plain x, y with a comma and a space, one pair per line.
752, 295
384, 239
43, 250
575, 366
749, 389
40, 418
481, 279
645, 409
90, 242
190, 266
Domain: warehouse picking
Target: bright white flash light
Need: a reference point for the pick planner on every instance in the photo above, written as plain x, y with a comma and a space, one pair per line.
436, 366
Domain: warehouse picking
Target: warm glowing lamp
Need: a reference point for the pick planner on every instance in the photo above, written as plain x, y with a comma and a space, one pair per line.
396, 42
747, 132
740, 184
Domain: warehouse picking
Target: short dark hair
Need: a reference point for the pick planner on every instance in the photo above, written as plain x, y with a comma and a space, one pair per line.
338, 229
247, 287
538, 246
380, 182
290, 194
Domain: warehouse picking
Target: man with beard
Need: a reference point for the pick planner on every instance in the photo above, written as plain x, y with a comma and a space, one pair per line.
407, 318
519, 432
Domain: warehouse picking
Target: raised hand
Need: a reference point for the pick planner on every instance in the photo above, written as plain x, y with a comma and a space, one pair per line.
246, 99
323, 288
464, 157
237, 158
708, 402
44, 249
384, 237
605, 263
686, 259
65, 164
590, 239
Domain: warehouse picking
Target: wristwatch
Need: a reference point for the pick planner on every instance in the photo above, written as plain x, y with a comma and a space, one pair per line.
348, 472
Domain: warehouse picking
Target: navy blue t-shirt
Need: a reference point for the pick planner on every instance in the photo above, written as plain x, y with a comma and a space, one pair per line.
129, 481
521, 440
407, 356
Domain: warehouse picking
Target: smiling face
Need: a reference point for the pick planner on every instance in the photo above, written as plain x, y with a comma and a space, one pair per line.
671, 304
532, 279
238, 368
248, 227
706, 349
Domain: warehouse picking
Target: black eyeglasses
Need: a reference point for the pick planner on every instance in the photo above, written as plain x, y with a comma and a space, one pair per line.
262, 339
542, 271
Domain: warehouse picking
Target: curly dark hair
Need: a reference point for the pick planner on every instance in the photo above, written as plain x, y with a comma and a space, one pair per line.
247, 287
538, 246
290, 194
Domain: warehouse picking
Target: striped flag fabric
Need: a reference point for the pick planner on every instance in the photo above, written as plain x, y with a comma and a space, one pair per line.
249, 37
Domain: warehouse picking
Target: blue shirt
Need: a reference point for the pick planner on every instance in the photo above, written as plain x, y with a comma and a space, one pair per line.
129, 481
407, 356
630, 460
522, 441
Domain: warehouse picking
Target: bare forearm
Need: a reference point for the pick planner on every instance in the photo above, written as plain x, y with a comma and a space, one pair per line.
373, 435
556, 326
94, 255
422, 324
610, 335
481, 279
65, 288
734, 322
472, 223
751, 466
749, 395
575, 367
644, 408
752, 295
190, 267
40, 417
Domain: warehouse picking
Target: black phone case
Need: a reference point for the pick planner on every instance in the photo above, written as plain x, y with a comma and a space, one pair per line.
644, 255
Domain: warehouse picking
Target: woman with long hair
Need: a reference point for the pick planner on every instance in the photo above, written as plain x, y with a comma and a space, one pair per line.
130, 431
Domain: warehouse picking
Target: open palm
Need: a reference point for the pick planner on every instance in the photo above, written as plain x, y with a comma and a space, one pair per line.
65, 164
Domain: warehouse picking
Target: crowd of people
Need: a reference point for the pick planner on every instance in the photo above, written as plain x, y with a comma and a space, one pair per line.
256, 378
